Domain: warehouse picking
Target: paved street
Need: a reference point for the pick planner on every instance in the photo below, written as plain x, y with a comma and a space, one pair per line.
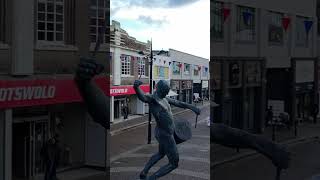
304, 164
130, 152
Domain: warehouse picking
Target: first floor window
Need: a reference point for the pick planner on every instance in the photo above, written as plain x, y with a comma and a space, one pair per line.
275, 28
245, 23
50, 20
98, 15
176, 67
187, 69
142, 66
125, 65
217, 20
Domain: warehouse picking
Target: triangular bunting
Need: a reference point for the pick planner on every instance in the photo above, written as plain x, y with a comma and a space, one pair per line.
169, 63
285, 22
246, 17
226, 13
308, 24
164, 62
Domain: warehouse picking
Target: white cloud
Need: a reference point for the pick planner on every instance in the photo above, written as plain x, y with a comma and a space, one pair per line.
186, 28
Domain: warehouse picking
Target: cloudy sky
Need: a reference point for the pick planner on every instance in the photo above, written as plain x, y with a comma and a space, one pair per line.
183, 25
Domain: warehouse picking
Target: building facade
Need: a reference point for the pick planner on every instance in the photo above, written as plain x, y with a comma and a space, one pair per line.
189, 75
38, 97
281, 33
128, 64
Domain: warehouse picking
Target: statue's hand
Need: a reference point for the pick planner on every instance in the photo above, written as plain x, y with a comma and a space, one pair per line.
137, 83
88, 68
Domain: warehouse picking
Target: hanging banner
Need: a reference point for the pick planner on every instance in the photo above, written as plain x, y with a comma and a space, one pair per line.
285, 22
246, 17
307, 25
226, 13
169, 63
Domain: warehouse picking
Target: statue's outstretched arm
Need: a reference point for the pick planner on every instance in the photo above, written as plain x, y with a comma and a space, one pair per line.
231, 137
96, 101
143, 97
183, 105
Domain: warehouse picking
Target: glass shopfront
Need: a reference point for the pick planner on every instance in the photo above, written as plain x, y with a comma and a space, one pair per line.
2, 145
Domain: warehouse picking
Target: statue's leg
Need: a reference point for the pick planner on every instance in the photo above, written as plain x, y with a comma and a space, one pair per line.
153, 160
173, 157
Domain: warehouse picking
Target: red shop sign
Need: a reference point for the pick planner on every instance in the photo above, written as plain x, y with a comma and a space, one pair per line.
19, 93
126, 90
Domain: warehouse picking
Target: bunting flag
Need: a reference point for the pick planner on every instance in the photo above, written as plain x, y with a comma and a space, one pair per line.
164, 62
169, 63
180, 65
206, 69
199, 68
285, 22
308, 24
246, 17
226, 13
132, 58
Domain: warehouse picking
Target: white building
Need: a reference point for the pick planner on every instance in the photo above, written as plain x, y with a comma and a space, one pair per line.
284, 33
127, 65
188, 71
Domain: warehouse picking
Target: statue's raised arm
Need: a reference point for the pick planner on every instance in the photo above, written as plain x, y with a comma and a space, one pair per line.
184, 105
143, 97
94, 98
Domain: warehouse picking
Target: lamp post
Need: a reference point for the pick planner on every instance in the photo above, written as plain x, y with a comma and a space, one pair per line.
151, 87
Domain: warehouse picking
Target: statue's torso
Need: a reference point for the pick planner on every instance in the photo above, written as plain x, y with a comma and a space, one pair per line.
161, 111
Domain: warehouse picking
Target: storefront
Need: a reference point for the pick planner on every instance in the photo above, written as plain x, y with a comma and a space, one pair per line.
205, 89
184, 90
238, 88
40, 109
124, 96
305, 91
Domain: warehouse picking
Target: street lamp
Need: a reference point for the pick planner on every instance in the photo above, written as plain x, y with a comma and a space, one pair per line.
151, 85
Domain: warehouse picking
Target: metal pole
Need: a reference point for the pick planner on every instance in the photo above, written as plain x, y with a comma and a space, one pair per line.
151, 85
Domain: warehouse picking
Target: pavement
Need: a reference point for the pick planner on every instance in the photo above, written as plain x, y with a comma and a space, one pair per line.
130, 152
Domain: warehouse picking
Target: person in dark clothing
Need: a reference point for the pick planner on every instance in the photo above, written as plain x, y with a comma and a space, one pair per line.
50, 153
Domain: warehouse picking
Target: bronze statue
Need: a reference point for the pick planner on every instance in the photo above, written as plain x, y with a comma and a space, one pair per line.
160, 108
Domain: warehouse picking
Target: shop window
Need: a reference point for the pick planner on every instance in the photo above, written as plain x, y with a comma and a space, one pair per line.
125, 65
186, 69
142, 66
275, 28
50, 20
176, 68
98, 16
301, 34
245, 24
217, 21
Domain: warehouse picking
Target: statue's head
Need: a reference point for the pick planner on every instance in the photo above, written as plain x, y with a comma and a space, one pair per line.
163, 88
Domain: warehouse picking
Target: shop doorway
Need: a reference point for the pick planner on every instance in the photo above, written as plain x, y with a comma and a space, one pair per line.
118, 107
28, 137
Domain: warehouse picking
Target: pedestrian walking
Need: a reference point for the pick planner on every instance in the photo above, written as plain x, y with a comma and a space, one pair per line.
50, 154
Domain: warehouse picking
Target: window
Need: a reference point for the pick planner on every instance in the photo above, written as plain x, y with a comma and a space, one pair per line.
196, 70
176, 68
275, 28
50, 20
245, 24
217, 21
2, 20
186, 69
142, 66
301, 34
98, 15
125, 65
